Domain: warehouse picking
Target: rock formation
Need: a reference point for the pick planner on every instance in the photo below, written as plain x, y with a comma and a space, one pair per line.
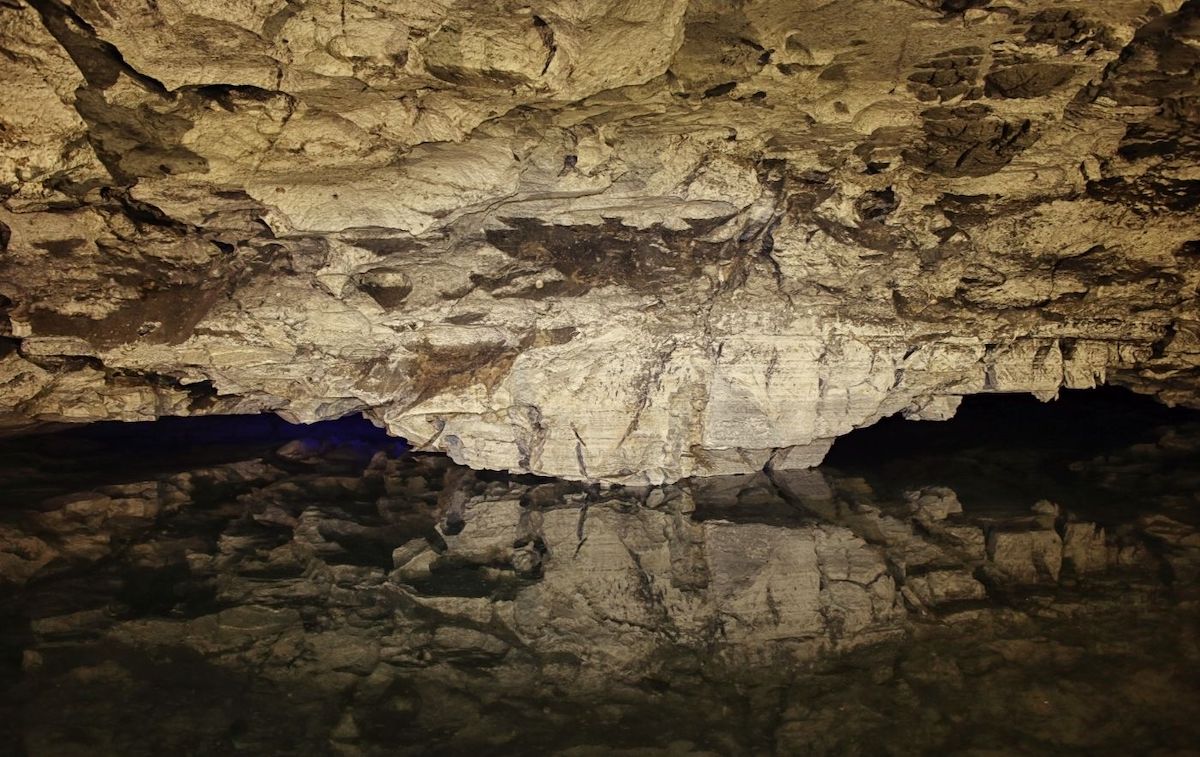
597, 239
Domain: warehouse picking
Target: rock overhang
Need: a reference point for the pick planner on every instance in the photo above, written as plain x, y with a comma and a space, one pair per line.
595, 240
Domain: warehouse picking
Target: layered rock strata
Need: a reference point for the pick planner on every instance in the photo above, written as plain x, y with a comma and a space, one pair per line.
605, 240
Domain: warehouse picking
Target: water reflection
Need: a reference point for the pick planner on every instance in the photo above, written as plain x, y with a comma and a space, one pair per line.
335, 595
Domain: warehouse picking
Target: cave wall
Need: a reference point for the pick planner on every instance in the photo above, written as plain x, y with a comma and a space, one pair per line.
599, 239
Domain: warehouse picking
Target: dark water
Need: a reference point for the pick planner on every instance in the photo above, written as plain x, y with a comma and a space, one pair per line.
243, 586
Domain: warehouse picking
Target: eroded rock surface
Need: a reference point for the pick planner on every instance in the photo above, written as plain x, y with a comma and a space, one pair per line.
594, 239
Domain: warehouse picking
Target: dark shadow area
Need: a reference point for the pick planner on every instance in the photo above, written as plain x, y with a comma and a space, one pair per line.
1087, 420
1004, 451
112, 452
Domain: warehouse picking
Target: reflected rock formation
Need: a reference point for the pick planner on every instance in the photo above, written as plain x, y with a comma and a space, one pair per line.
318, 599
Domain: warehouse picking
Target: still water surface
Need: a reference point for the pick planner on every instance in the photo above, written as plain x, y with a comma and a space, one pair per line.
1021, 580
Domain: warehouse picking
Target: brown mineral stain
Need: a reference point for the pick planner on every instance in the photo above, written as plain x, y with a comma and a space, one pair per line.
612, 253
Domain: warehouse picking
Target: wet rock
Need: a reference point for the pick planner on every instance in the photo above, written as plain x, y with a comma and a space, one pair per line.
938, 587
69, 625
933, 503
253, 620
489, 532
406, 552
1171, 532
1178, 544
22, 555
1026, 557
1085, 548
418, 566
843, 556
766, 582
341, 651
468, 641
257, 611
965, 539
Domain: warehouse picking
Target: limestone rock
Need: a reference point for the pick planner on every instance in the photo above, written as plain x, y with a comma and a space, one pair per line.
941, 586
632, 242
1026, 557
1085, 548
933, 503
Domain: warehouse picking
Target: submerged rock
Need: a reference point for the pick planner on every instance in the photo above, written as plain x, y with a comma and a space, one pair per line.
368, 601
1026, 557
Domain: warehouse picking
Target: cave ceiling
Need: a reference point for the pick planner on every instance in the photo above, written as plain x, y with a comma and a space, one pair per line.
597, 239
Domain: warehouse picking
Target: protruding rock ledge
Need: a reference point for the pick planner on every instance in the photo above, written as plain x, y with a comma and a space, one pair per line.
630, 243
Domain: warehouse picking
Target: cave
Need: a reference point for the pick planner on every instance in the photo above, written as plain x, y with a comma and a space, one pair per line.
599, 377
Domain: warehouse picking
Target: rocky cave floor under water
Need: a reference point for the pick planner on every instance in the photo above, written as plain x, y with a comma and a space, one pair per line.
1021, 579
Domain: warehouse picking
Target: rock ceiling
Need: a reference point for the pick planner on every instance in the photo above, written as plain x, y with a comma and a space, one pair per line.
603, 239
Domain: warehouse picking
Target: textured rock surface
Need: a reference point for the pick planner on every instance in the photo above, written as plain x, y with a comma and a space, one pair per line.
597, 239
